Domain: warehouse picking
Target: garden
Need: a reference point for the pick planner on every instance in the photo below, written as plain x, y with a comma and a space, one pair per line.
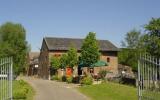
100, 88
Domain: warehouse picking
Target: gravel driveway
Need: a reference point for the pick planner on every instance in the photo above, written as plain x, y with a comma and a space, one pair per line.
51, 90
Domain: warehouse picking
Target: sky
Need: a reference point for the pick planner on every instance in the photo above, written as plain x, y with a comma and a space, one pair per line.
110, 19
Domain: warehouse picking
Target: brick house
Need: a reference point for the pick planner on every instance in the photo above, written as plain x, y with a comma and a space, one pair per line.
52, 46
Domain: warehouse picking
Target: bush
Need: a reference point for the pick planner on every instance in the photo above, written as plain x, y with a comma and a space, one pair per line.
20, 94
54, 77
102, 74
69, 79
87, 81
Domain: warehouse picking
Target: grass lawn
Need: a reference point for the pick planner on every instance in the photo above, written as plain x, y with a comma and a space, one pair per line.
109, 91
22, 91
151, 94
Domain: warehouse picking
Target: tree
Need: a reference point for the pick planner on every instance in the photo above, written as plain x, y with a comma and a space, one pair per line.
136, 43
131, 39
128, 57
13, 43
55, 62
152, 37
90, 50
64, 60
130, 53
72, 57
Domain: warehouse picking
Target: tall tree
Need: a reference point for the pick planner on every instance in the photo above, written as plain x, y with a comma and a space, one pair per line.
72, 57
152, 37
13, 43
90, 50
64, 60
132, 39
128, 57
55, 62
129, 54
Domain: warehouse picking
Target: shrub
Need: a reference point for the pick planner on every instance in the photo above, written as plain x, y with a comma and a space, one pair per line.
20, 94
69, 79
87, 81
102, 74
20, 89
54, 77
21, 82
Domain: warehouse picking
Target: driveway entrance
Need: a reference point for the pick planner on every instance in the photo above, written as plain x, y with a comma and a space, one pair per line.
51, 90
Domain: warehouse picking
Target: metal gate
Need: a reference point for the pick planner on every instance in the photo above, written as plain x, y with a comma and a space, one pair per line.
149, 78
6, 78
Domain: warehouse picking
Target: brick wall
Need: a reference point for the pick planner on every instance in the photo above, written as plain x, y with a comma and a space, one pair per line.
111, 57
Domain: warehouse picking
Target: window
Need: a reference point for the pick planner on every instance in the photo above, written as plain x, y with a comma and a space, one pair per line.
108, 59
91, 70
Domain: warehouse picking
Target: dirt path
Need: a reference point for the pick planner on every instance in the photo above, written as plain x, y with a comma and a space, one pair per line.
50, 90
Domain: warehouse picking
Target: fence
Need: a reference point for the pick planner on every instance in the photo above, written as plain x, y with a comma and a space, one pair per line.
6, 78
149, 78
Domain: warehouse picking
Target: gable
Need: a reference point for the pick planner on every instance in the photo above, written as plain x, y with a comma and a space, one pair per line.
44, 46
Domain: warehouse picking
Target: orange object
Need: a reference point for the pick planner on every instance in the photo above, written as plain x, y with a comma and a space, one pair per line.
68, 71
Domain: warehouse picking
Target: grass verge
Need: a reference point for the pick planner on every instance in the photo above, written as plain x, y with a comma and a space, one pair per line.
22, 90
109, 91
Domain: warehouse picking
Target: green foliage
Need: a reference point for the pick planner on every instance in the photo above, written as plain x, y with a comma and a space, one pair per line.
69, 79
129, 57
72, 57
136, 43
153, 27
13, 43
55, 62
102, 74
133, 45
54, 77
132, 39
87, 80
64, 60
90, 50
151, 40
22, 90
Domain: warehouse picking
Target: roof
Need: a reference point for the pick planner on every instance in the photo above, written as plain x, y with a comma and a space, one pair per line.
54, 43
33, 55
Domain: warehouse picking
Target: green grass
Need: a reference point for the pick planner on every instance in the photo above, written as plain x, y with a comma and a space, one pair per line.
22, 91
109, 91
3, 88
151, 94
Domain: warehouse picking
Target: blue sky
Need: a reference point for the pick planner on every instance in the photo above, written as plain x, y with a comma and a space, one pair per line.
110, 19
